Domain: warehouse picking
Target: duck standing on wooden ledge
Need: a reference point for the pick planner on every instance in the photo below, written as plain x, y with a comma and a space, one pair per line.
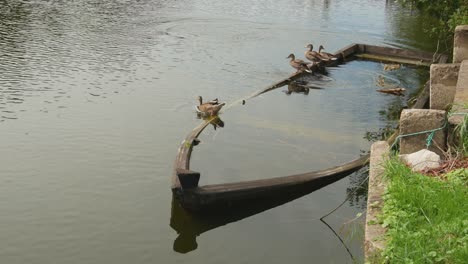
312, 55
209, 108
298, 64
326, 55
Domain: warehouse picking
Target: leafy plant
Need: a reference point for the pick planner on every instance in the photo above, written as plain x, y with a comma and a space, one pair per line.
450, 14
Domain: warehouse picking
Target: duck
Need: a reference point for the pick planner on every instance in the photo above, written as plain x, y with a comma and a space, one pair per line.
212, 102
326, 55
298, 64
391, 67
209, 108
381, 81
312, 55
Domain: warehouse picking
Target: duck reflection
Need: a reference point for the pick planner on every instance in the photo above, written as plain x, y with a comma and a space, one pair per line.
297, 87
300, 86
215, 121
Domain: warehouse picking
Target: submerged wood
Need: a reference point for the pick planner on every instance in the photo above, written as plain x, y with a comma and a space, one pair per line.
412, 56
394, 91
195, 197
230, 194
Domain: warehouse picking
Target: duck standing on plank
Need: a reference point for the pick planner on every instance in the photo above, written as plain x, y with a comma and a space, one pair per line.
312, 55
298, 64
209, 108
326, 55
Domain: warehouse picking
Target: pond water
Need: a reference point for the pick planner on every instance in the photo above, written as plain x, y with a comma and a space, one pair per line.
96, 96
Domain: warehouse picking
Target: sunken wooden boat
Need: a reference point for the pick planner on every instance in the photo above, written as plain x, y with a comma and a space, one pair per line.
191, 196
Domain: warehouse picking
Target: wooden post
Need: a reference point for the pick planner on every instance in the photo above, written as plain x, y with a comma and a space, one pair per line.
188, 179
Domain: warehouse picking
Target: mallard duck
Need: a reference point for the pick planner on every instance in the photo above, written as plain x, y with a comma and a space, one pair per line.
381, 81
298, 64
209, 108
212, 102
391, 67
312, 55
326, 55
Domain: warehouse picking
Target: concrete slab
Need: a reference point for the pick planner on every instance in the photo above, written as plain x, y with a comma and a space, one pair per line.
443, 83
374, 232
419, 120
460, 44
460, 102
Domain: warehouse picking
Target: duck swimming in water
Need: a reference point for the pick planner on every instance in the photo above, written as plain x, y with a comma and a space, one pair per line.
298, 64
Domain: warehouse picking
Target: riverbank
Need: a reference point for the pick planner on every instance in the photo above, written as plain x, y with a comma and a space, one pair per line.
421, 218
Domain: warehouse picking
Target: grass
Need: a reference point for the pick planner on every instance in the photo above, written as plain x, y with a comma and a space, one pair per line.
426, 218
462, 130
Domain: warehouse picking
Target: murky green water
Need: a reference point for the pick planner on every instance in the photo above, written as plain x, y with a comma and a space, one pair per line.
96, 96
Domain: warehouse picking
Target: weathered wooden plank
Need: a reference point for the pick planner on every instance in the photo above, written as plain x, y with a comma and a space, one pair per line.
345, 54
188, 179
422, 99
347, 51
398, 53
231, 193
385, 58
292, 179
182, 160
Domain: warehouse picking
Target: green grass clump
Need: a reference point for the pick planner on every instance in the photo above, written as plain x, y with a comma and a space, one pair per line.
463, 135
426, 218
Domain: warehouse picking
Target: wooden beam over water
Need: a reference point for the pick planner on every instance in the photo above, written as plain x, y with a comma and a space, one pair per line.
384, 58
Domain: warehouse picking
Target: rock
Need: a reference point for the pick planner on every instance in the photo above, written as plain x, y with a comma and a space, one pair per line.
421, 160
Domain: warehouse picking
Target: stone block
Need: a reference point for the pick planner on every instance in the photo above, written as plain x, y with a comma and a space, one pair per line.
418, 120
461, 95
374, 232
460, 44
443, 83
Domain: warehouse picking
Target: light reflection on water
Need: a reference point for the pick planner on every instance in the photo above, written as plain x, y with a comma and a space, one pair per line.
95, 97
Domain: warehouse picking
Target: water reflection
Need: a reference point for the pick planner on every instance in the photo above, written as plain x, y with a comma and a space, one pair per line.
217, 122
316, 81
302, 86
357, 189
297, 87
